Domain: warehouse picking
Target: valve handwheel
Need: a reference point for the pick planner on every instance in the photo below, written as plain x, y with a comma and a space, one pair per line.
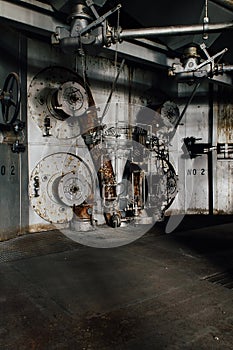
10, 98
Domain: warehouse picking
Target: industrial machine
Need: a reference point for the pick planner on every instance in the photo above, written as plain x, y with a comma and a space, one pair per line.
112, 117
118, 170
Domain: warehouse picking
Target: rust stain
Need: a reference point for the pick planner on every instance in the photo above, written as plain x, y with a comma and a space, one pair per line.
107, 180
82, 211
225, 115
41, 227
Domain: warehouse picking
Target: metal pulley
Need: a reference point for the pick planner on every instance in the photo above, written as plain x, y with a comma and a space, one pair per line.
57, 99
58, 183
72, 99
68, 100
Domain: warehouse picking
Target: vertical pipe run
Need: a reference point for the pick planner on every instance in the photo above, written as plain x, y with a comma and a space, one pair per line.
23, 157
210, 154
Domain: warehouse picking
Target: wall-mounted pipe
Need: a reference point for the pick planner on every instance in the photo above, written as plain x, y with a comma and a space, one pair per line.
174, 30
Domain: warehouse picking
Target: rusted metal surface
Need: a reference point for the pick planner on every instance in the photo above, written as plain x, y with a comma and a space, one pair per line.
33, 228
224, 165
83, 211
107, 180
225, 115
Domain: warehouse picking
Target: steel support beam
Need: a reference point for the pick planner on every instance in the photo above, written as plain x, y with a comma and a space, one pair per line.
139, 54
28, 19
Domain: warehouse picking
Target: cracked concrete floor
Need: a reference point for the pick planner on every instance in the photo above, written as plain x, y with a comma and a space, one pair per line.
150, 294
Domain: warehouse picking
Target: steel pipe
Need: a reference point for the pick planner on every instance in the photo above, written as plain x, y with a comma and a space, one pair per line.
174, 30
227, 68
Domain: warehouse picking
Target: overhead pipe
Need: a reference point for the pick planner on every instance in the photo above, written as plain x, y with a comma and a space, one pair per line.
228, 68
174, 30
70, 43
224, 68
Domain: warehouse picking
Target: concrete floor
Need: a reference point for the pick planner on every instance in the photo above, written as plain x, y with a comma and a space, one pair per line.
154, 293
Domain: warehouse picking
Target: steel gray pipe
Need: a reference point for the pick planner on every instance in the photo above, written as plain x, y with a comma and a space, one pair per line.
223, 68
227, 68
228, 4
174, 30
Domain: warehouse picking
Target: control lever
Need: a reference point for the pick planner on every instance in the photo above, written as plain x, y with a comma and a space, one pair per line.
99, 19
209, 58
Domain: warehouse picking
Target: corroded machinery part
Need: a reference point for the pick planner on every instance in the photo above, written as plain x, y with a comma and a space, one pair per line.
59, 183
107, 181
137, 181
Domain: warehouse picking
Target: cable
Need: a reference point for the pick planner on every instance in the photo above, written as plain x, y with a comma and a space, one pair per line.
187, 104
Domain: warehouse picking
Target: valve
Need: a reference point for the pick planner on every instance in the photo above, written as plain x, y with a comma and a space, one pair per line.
84, 30
10, 98
192, 68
